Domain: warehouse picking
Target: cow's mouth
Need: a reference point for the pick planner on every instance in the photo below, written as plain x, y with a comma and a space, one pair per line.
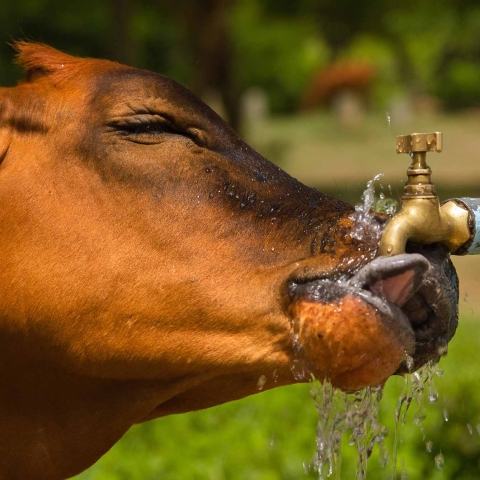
410, 295
396, 287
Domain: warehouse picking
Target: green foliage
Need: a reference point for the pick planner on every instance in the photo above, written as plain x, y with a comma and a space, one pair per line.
461, 85
377, 51
421, 47
271, 435
276, 53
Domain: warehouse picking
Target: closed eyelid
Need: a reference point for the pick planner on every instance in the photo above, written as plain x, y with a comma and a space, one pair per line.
141, 119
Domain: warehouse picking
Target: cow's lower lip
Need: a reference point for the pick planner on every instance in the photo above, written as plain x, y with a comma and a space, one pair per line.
387, 284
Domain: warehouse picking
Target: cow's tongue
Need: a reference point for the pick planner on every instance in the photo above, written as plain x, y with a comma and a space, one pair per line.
395, 279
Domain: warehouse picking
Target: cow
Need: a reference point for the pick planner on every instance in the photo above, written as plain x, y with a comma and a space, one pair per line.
337, 78
153, 263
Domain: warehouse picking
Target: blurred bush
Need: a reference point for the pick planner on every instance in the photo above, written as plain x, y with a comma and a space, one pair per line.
418, 48
277, 53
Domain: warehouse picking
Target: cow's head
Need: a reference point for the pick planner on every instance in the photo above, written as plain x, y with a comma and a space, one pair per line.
152, 258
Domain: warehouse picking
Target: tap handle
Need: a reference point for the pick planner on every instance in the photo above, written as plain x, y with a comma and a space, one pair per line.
420, 142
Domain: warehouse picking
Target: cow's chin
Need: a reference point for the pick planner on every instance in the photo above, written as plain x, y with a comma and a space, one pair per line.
357, 332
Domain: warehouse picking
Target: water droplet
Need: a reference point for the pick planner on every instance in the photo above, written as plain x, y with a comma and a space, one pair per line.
408, 359
307, 468
442, 349
429, 446
261, 382
439, 460
433, 397
298, 369
445, 415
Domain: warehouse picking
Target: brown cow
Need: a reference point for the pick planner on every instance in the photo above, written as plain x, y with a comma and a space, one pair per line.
340, 77
153, 263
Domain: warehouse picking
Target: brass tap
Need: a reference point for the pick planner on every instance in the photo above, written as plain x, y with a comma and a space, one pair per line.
422, 219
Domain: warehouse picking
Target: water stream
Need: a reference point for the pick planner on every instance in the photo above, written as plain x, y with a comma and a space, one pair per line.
357, 415
339, 414
355, 419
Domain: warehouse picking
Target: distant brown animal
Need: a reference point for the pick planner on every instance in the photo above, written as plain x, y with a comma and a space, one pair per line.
339, 77
153, 263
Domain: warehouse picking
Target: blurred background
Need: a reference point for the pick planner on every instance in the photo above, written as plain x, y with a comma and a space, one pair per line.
320, 87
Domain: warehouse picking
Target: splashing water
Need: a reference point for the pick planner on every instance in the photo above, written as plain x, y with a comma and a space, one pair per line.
417, 386
339, 413
357, 415
365, 227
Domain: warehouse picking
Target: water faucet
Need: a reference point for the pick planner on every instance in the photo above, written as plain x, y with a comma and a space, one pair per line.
422, 218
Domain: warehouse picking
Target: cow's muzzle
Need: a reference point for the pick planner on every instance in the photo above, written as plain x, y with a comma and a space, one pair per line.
358, 331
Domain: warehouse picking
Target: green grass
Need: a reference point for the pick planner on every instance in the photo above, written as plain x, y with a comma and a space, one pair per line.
270, 435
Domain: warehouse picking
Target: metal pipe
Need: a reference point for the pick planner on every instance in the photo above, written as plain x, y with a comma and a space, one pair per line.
473, 207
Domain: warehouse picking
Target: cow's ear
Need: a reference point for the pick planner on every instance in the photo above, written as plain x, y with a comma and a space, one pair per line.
38, 60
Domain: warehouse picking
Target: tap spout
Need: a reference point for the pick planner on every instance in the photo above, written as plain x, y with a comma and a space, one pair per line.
422, 219
425, 221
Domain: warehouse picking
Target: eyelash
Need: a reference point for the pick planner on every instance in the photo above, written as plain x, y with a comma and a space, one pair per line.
146, 129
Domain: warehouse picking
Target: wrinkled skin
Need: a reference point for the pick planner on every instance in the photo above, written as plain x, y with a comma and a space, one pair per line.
153, 263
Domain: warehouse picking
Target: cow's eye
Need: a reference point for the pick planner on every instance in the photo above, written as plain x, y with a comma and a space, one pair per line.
144, 128
148, 128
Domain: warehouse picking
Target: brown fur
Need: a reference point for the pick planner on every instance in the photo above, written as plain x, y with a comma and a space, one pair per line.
142, 275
